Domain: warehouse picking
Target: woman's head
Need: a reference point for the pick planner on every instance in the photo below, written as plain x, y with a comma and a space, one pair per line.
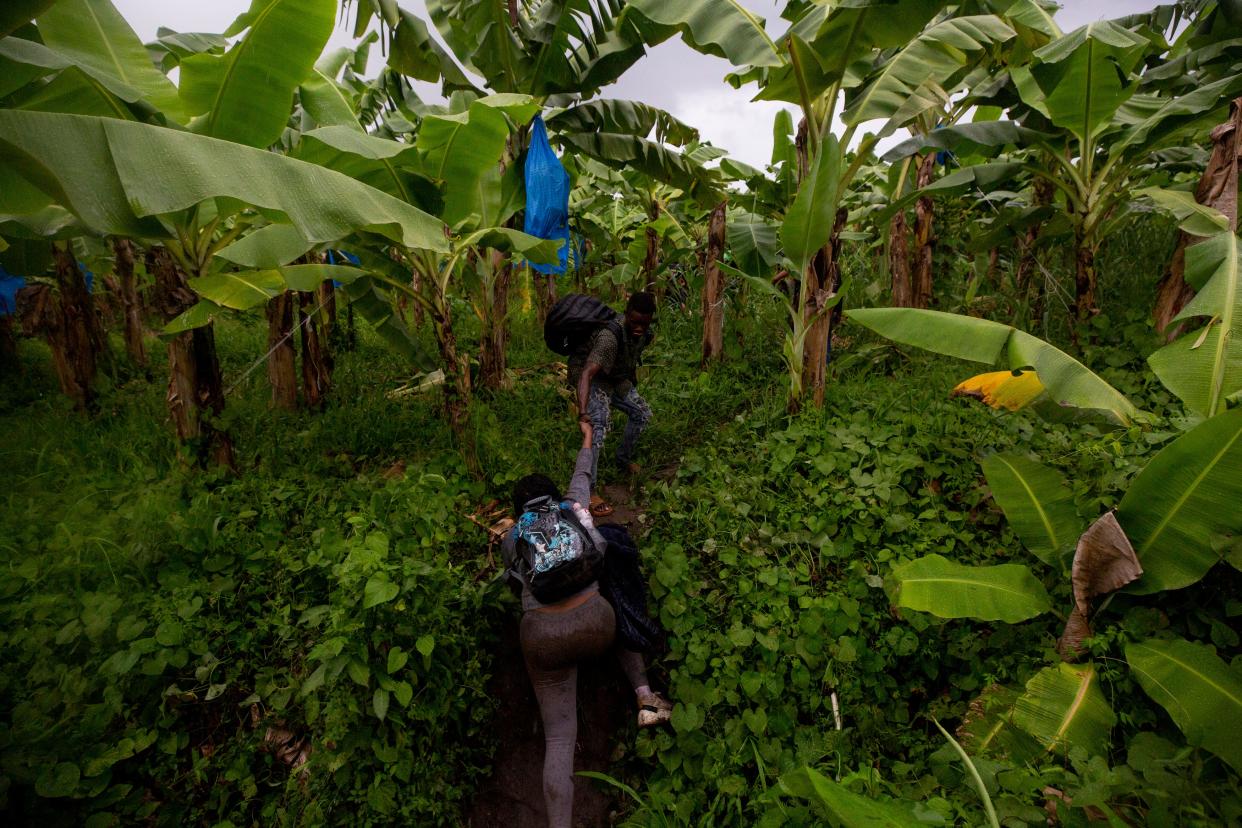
530, 487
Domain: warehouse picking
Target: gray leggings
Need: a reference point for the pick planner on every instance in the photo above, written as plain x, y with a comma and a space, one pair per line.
553, 644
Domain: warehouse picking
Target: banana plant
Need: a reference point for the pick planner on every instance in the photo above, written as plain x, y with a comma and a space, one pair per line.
815, 65
1083, 103
1162, 535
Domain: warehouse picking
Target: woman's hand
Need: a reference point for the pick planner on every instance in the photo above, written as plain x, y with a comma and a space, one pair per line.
585, 427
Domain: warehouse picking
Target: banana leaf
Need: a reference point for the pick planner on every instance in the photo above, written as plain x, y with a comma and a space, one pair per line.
1063, 708
1008, 592
1068, 381
1204, 367
1187, 495
934, 56
724, 28
117, 175
1201, 693
1038, 504
245, 95
842, 808
94, 35
809, 220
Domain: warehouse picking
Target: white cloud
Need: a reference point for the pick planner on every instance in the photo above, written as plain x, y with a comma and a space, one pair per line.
728, 119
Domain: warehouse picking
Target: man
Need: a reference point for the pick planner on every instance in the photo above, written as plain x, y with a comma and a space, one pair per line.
605, 376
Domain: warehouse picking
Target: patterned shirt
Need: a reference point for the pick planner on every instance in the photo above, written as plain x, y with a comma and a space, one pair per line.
617, 358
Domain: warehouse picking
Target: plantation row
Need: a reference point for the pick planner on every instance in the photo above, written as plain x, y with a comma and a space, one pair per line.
883, 604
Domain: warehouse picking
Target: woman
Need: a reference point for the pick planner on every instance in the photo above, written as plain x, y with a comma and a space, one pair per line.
556, 636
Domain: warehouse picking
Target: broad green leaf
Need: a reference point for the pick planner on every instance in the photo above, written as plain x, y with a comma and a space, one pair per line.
1197, 688
808, 222
397, 658
327, 103
1183, 497
1077, 76
31, 54
425, 644
1195, 218
75, 91
1038, 504
1068, 382
842, 807
389, 166
58, 780
1204, 368
725, 28
267, 247
939, 51
626, 117
202, 313
242, 290
1201, 106
245, 94
630, 152
1063, 708
752, 241
17, 13
985, 137
308, 277
532, 248
378, 590
403, 692
379, 703
417, 54
950, 334
783, 149
458, 150
93, 34
114, 174
1008, 592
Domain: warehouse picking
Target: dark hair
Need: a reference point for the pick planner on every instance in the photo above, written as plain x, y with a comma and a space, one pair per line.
641, 302
530, 487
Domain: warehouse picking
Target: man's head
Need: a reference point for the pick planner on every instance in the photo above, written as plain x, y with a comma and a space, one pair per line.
530, 487
639, 311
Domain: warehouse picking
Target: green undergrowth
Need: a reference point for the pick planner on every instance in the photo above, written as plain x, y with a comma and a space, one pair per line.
176, 642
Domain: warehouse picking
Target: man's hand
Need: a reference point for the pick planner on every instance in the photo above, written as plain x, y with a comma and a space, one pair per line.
587, 432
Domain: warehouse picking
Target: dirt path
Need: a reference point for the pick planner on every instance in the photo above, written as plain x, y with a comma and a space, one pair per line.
513, 795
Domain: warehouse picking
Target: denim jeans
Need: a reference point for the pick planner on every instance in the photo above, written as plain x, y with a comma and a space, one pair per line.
599, 409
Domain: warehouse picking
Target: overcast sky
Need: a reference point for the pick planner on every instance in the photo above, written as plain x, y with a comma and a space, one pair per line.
671, 76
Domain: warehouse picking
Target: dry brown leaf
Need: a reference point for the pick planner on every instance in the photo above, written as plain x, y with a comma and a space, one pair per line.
1103, 562
1069, 645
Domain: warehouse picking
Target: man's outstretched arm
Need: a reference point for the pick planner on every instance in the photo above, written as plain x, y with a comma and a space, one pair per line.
584, 387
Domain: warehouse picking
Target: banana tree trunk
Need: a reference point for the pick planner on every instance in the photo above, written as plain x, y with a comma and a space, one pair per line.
195, 386
281, 367
825, 280
456, 371
135, 345
1218, 188
545, 290
924, 216
651, 260
1026, 261
326, 294
713, 287
899, 261
1085, 304
316, 357
74, 333
494, 337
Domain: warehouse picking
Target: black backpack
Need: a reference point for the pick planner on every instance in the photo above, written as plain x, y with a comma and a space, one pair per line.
572, 321
557, 556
